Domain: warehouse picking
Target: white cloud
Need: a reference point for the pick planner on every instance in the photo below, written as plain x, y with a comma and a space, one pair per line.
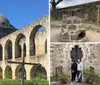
66, 3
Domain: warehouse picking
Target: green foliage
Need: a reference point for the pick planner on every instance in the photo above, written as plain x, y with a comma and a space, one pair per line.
53, 78
41, 76
8, 74
91, 75
27, 82
63, 77
88, 73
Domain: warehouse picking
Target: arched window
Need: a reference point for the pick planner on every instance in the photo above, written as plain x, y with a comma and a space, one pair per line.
38, 71
8, 50
76, 53
46, 46
1, 52
24, 50
19, 45
36, 29
8, 72
18, 72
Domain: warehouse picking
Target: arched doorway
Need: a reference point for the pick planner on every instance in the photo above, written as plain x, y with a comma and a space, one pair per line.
76, 53
8, 50
36, 29
38, 71
8, 72
18, 72
1, 52
20, 46
0, 73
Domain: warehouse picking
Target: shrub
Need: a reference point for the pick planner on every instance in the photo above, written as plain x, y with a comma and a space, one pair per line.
27, 82
63, 77
90, 76
53, 78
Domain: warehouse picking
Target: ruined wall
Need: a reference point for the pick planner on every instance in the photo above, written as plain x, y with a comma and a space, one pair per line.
60, 56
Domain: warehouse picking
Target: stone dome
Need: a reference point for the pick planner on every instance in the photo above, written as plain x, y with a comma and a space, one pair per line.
3, 19
4, 22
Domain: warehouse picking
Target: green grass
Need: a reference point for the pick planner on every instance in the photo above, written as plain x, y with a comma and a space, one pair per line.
27, 82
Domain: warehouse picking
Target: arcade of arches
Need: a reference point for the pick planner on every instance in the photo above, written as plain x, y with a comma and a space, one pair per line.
30, 42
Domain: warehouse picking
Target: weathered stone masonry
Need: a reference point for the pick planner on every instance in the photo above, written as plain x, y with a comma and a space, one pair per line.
61, 56
29, 42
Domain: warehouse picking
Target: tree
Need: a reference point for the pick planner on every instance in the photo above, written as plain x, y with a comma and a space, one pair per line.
54, 4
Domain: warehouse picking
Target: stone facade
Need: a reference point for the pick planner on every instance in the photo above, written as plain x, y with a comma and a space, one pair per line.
61, 56
87, 11
27, 42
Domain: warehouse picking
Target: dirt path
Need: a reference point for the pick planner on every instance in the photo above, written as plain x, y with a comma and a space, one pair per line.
93, 36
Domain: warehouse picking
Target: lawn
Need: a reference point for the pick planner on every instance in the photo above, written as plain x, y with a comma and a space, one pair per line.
27, 82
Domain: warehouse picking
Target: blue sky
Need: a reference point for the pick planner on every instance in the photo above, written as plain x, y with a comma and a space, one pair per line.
22, 12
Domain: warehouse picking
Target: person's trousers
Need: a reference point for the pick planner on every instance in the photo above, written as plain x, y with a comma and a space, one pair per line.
79, 76
73, 76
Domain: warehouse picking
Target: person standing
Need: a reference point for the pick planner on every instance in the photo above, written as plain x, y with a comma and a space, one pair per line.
79, 70
73, 71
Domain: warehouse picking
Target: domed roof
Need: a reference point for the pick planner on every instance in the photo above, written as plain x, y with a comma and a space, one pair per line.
3, 19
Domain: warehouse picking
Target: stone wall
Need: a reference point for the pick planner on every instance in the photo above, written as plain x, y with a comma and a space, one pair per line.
60, 56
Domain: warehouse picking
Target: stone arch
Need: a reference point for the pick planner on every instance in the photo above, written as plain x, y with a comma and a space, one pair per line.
1, 75
8, 72
18, 72
8, 53
76, 53
38, 71
19, 45
1, 52
32, 38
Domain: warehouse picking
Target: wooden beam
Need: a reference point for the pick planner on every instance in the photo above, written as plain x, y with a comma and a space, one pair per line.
24, 63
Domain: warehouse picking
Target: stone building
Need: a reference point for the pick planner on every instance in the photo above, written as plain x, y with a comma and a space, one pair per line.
62, 54
86, 11
27, 42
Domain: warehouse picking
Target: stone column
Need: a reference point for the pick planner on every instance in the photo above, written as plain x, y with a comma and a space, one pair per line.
13, 50
13, 72
3, 72
3, 51
27, 47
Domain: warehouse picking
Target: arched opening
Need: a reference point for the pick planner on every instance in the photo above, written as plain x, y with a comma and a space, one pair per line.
1, 73
19, 45
38, 71
1, 52
18, 72
76, 53
8, 50
46, 46
36, 29
81, 35
8, 72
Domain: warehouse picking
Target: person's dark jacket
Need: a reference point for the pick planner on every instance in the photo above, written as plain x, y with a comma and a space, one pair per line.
74, 67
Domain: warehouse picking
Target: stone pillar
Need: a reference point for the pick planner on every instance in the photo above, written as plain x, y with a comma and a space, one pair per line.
13, 72
3, 51
3, 72
27, 47
13, 50
28, 71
